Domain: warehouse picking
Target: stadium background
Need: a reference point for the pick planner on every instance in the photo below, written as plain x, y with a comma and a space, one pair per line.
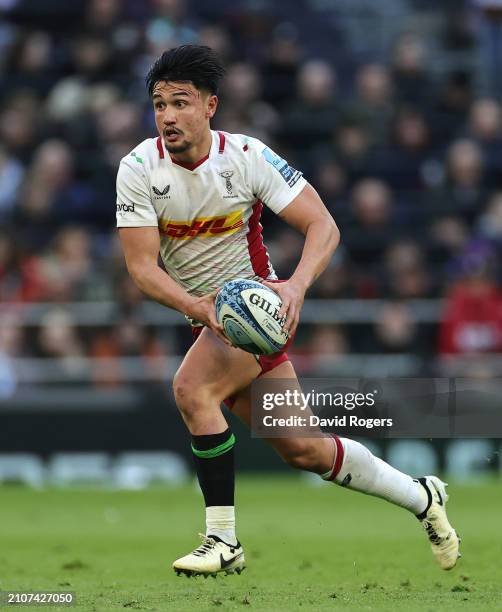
392, 111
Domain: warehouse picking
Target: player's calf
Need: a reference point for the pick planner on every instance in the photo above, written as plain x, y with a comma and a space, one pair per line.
309, 454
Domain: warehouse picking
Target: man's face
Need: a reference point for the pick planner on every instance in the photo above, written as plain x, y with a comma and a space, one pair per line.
182, 113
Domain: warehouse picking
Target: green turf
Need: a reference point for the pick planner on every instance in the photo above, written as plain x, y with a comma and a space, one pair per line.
307, 548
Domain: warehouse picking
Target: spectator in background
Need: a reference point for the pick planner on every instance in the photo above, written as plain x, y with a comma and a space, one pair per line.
485, 121
21, 278
170, 25
50, 174
20, 120
92, 58
322, 351
485, 128
489, 226
327, 340
58, 339
243, 111
451, 107
464, 191
411, 80
336, 281
405, 274
69, 269
447, 238
352, 147
217, 37
53, 196
472, 320
395, 331
11, 176
373, 104
119, 126
30, 65
313, 116
125, 292
403, 162
371, 224
129, 338
251, 25
489, 29
282, 63
284, 251
103, 17
330, 181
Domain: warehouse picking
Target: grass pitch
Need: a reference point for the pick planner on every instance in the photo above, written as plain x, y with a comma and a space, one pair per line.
307, 548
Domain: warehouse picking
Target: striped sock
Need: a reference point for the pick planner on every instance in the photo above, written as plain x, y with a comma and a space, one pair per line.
332, 473
356, 468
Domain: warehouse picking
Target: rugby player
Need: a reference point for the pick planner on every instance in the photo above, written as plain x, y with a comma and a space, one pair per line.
195, 195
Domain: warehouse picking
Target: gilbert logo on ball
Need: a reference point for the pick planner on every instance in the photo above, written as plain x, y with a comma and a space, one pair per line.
249, 313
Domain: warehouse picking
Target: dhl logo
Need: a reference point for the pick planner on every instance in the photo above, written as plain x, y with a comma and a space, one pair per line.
202, 226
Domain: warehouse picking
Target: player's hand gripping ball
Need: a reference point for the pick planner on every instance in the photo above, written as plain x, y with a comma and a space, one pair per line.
248, 312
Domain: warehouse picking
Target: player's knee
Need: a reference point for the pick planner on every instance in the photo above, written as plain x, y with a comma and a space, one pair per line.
188, 395
301, 454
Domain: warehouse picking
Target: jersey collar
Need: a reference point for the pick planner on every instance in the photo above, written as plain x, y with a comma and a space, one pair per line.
217, 148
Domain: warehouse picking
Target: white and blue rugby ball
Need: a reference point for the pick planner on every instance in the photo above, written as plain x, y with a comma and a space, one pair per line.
248, 313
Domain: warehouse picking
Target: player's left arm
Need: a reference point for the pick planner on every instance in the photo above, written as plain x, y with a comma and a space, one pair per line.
307, 214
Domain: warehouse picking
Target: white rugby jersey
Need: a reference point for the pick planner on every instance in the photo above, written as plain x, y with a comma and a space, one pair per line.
207, 213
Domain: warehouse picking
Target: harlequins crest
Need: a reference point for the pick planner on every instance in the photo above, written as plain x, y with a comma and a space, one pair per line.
227, 175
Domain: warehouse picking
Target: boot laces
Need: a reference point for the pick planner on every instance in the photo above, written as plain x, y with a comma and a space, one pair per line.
207, 546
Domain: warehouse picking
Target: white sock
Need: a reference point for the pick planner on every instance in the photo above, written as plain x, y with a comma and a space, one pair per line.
220, 521
362, 471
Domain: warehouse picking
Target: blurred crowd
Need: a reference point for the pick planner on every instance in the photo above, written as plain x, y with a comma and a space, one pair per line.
393, 112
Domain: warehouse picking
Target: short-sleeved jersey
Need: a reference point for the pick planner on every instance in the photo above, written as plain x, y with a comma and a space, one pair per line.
208, 213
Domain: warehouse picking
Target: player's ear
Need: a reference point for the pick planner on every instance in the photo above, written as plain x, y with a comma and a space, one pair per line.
212, 104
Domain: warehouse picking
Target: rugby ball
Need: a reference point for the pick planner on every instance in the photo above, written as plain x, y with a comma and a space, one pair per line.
248, 313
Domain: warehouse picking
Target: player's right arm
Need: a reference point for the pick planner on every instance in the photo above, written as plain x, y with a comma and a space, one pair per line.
141, 251
140, 239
